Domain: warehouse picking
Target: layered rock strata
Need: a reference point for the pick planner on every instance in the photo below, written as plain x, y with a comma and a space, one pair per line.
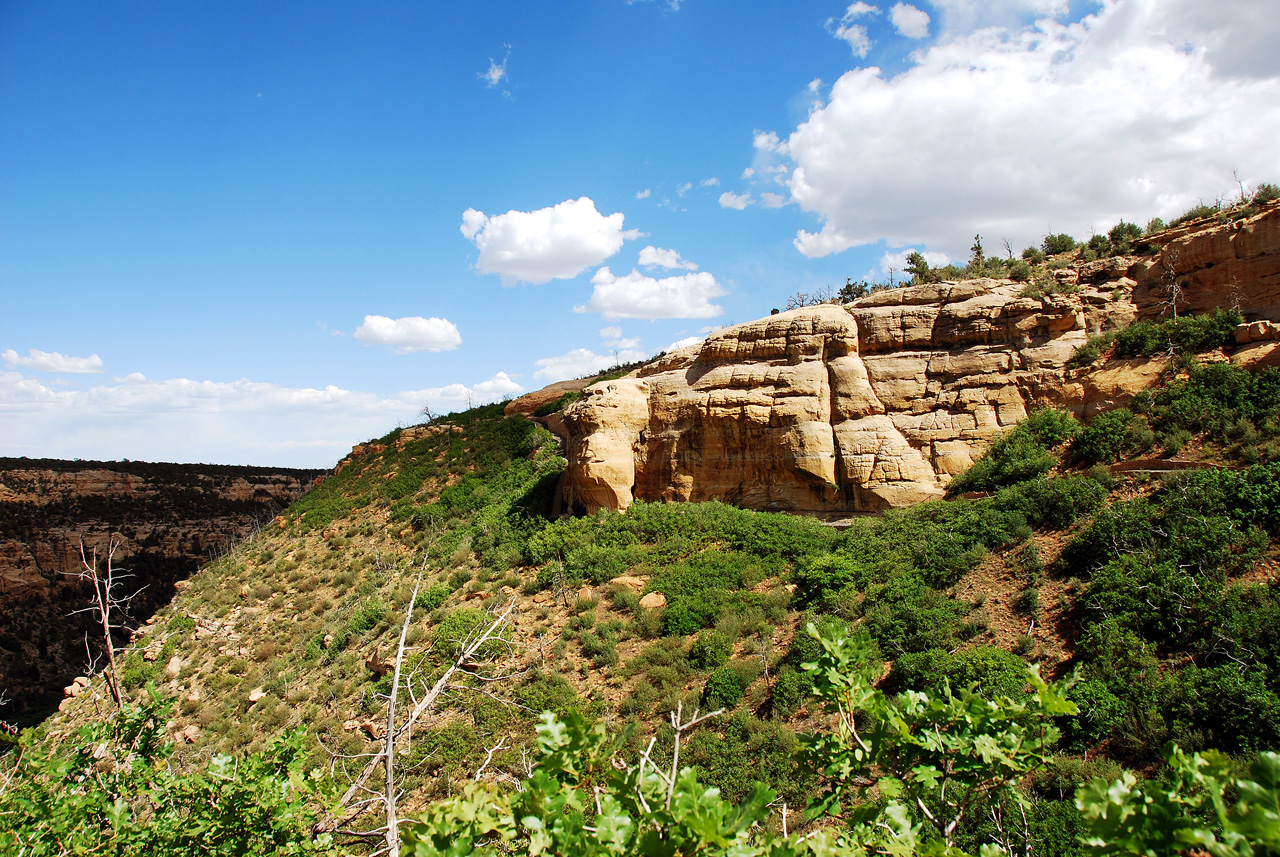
168, 519
878, 403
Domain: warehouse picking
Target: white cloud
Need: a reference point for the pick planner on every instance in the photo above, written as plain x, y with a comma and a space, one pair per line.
682, 189
496, 72
748, 172
855, 34
612, 336
644, 194
711, 182
639, 296
52, 361
559, 242
897, 261
967, 15
767, 141
728, 199
996, 131
580, 362
772, 200
703, 333
909, 21
409, 334
501, 384
237, 422
656, 256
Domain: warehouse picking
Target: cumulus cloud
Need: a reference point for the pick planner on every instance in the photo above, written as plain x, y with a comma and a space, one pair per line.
500, 385
644, 194
236, 422
1122, 114
711, 182
909, 21
52, 361
772, 200
409, 334
656, 256
855, 34
895, 261
640, 296
729, 199
554, 243
580, 362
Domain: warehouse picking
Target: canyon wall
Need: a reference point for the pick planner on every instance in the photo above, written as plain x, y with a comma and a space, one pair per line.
879, 402
168, 518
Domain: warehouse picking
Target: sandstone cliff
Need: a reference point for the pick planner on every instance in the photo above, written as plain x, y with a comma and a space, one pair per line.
878, 403
169, 518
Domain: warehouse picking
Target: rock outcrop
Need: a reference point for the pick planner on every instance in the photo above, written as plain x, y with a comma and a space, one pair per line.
168, 519
878, 403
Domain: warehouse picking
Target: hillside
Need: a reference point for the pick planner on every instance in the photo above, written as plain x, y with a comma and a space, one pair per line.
1086, 485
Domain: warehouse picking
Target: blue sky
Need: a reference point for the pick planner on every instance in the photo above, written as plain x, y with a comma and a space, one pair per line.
259, 233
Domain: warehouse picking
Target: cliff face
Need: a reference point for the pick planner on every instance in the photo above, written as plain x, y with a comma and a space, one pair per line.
880, 402
169, 520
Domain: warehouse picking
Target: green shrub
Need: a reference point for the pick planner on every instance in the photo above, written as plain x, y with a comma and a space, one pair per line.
723, 689
135, 671
1123, 235
1053, 503
1188, 334
432, 597
1091, 350
1020, 271
1024, 452
1265, 192
790, 690
1196, 212
710, 649
744, 752
993, 671
559, 404
1033, 255
1059, 243
1108, 437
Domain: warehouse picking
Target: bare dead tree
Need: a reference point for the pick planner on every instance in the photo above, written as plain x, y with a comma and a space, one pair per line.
106, 603
475, 652
1169, 276
679, 726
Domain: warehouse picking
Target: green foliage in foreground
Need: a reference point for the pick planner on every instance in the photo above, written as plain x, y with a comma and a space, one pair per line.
902, 775
113, 790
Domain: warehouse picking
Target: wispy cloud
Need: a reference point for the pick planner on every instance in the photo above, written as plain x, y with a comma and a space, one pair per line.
496, 73
845, 28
